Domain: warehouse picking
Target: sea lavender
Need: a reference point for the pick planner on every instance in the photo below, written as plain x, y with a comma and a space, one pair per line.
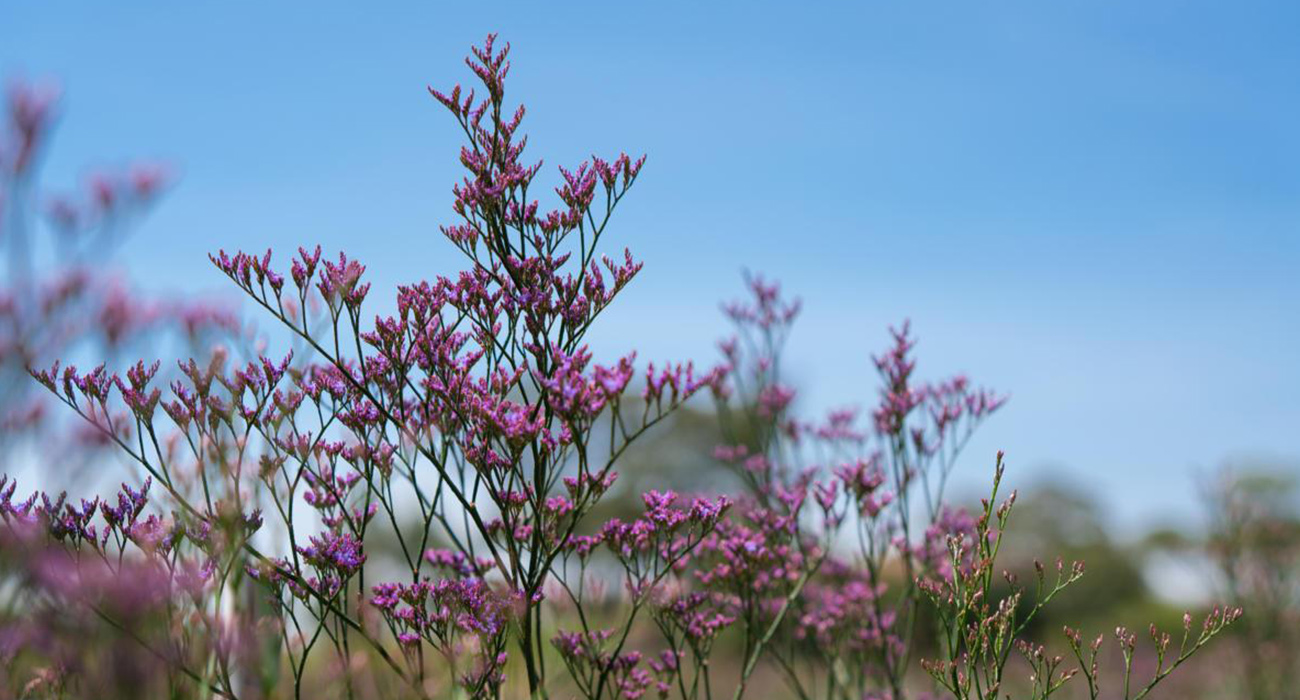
479, 410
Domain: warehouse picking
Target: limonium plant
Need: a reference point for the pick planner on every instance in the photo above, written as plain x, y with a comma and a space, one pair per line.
474, 432
61, 296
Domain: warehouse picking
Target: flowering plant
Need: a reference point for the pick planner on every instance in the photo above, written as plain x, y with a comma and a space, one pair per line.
478, 411
60, 297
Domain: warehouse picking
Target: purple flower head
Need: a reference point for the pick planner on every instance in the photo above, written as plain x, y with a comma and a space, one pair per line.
330, 552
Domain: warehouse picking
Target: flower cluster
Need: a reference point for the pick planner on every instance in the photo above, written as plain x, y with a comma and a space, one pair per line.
122, 562
601, 672
459, 617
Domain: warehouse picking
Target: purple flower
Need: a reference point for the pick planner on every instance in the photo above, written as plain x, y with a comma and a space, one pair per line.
336, 553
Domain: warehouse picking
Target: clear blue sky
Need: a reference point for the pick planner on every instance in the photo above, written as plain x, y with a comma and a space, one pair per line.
1092, 205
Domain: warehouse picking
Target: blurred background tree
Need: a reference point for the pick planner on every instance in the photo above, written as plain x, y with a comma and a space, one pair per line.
1249, 555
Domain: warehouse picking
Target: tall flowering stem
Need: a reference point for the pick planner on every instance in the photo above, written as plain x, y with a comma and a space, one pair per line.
479, 398
815, 486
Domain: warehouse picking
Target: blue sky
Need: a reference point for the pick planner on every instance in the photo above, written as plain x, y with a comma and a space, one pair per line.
1094, 206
